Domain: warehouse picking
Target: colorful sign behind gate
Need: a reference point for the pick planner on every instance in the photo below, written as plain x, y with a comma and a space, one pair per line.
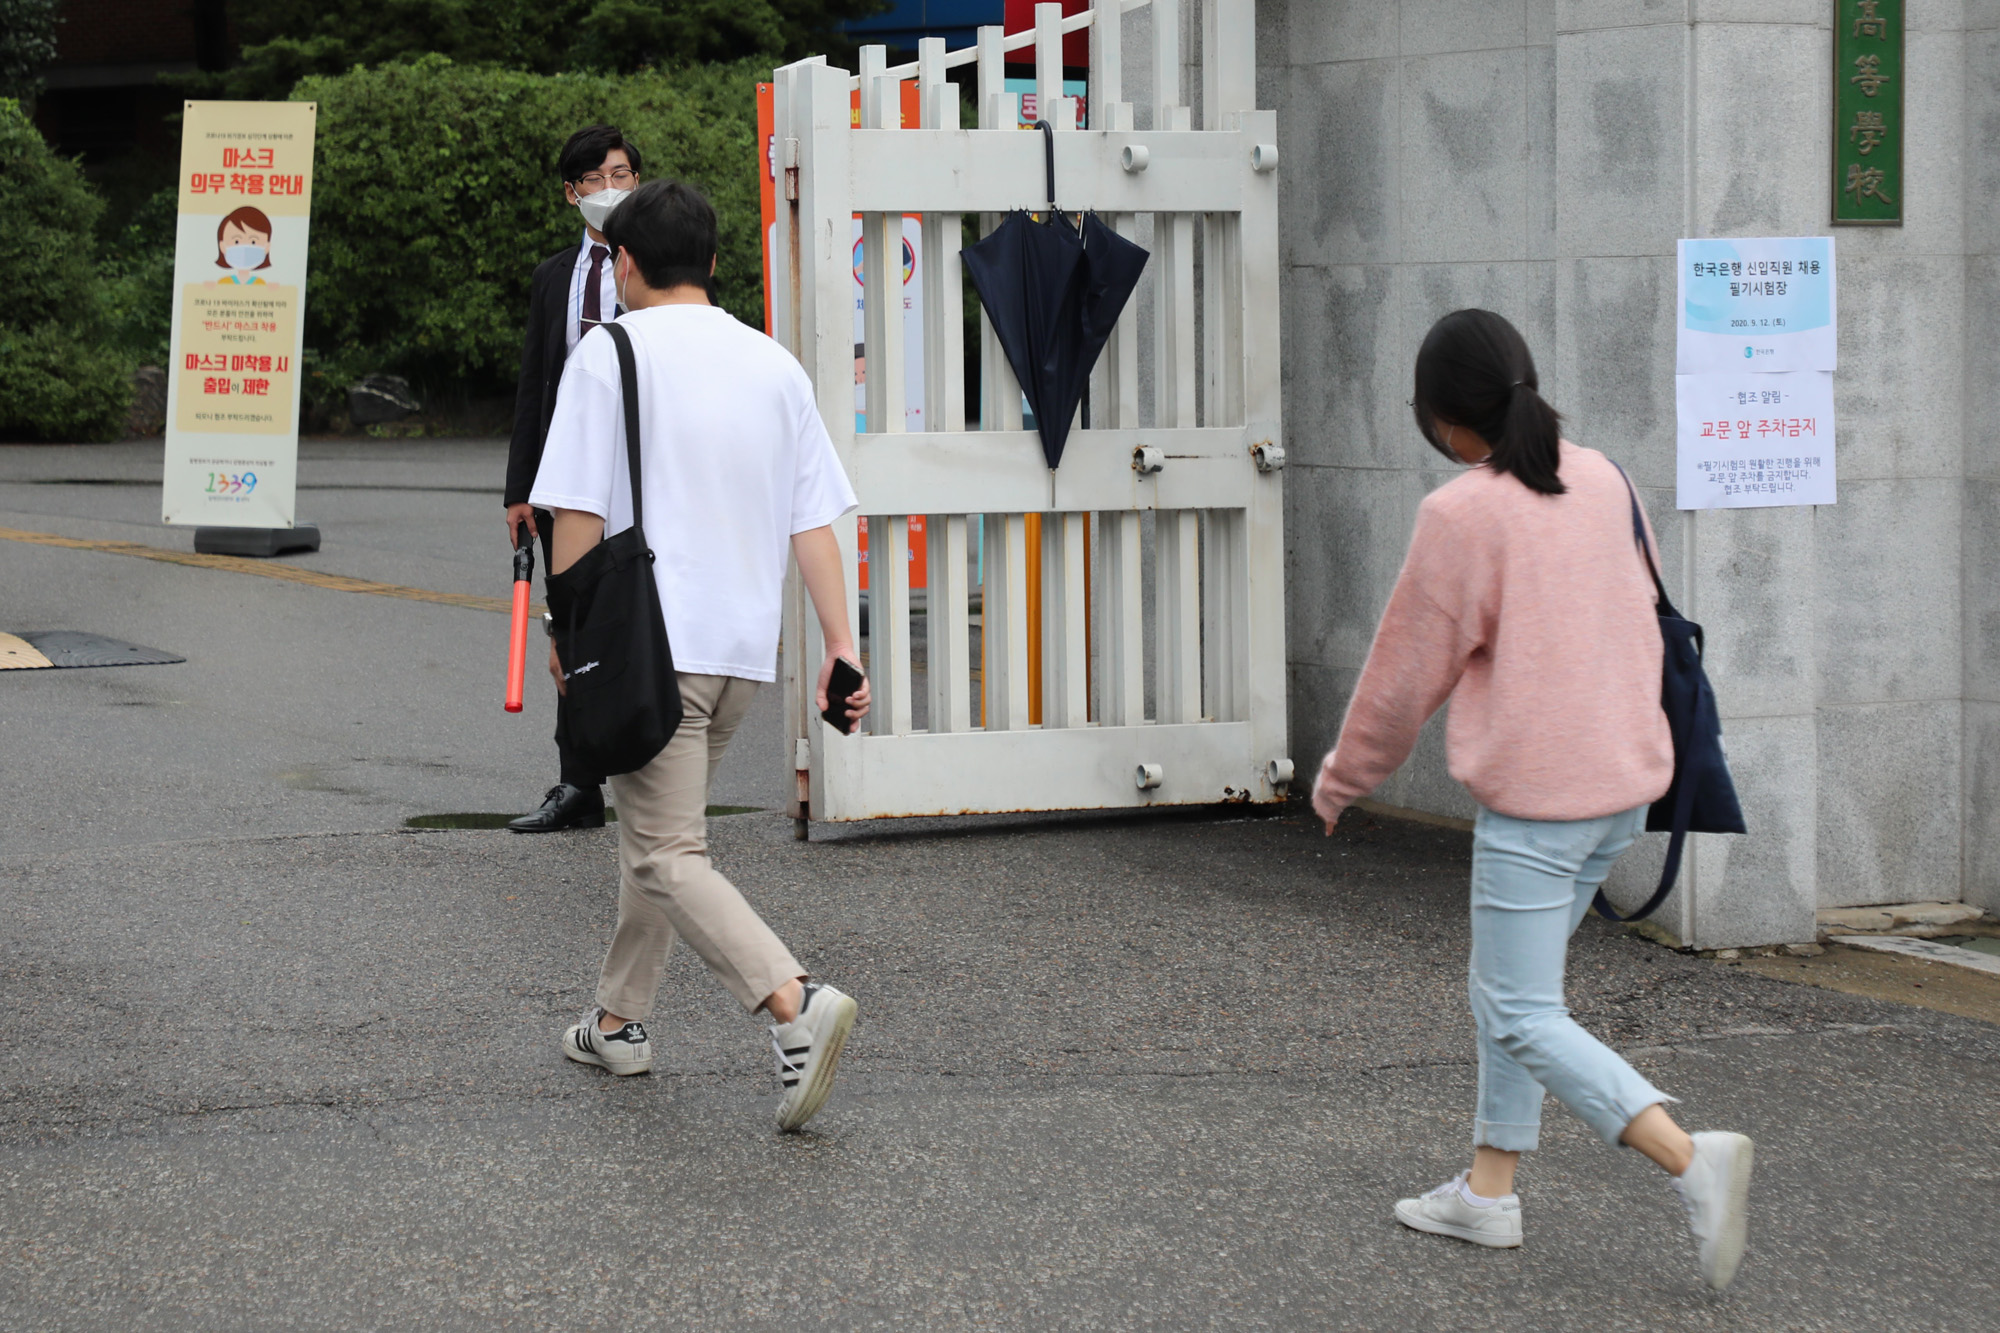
239, 299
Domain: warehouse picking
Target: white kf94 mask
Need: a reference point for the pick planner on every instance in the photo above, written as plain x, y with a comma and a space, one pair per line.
596, 208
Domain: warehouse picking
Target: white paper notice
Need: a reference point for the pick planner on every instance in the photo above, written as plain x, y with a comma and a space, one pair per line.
1754, 357
1763, 303
1750, 440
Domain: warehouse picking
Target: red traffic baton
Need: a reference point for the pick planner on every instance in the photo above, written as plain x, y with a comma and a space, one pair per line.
517, 644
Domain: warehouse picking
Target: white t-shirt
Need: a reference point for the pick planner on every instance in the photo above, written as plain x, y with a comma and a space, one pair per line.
734, 460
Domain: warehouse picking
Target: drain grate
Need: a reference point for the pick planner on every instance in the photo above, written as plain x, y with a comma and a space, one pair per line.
70, 648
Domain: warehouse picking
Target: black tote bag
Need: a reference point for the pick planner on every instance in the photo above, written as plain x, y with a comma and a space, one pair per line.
624, 701
1702, 797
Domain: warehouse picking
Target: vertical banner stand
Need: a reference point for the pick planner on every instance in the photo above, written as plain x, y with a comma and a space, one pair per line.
232, 440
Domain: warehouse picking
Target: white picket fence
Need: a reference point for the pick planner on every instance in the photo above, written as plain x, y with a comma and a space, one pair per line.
1146, 664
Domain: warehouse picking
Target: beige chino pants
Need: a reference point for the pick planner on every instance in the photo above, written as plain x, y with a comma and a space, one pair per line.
666, 886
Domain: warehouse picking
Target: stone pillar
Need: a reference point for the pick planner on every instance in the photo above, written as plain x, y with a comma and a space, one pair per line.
1982, 454
1644, 101
1834, 633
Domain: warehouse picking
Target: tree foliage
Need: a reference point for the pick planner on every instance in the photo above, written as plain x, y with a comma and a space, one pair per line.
138, 265
435, 194
286, 40
27, 43
61, 376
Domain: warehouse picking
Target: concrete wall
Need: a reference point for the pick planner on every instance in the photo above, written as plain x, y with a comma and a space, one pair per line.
1541, 159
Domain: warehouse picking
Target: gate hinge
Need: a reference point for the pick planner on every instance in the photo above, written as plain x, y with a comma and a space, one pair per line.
788, 158
802, 754
1269, 456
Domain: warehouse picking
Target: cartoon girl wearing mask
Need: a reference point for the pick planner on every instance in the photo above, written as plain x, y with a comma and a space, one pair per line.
243, 245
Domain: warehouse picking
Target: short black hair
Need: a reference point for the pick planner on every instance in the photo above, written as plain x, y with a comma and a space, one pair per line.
587, 149
669, 230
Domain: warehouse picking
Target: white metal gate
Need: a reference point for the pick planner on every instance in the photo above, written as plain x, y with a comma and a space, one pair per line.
1128, 646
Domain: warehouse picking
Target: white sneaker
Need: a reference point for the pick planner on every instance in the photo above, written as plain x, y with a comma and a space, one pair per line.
1445, 1212
808, 1050
1716, 1190
623, 1052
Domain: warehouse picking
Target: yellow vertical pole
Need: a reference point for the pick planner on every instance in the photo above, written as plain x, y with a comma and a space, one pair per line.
1034, 535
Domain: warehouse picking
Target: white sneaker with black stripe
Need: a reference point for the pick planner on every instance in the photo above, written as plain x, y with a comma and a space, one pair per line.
623, 1052
808, 1050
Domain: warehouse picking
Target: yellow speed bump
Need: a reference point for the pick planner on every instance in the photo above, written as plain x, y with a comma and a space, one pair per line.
17, 654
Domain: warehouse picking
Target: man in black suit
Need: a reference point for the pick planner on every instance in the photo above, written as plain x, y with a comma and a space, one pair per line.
572, 290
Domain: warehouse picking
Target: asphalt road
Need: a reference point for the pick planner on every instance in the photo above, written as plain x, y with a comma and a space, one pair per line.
268, 1060
300, 709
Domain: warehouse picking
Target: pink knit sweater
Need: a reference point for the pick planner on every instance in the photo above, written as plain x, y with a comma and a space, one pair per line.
1535, 615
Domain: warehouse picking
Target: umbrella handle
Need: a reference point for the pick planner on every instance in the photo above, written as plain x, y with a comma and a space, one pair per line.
1049, 157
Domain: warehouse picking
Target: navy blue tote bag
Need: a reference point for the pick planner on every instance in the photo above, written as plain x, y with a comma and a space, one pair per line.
1702, 798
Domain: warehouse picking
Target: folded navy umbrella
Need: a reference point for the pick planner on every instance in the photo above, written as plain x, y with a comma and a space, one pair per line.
1053, 292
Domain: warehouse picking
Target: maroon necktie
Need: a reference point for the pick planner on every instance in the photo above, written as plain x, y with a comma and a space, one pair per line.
593, 306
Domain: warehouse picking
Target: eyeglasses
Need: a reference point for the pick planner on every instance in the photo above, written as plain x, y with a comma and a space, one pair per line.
619, 178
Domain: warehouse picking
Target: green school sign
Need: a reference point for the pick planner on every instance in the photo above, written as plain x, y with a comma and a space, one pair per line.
1868, 112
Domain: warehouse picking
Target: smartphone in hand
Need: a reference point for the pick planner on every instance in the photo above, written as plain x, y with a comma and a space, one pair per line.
846, 679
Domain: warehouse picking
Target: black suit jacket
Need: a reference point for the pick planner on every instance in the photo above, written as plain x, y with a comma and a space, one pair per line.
542, 358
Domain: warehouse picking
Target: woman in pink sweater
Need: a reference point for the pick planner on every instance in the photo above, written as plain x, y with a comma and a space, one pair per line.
1525, 602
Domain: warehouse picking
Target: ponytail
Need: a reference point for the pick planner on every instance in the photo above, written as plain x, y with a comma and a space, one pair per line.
1474, 371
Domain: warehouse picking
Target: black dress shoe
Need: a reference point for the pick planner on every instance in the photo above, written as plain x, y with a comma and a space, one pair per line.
564, 807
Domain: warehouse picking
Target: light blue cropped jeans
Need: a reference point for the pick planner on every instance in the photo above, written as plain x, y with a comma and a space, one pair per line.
1532, 882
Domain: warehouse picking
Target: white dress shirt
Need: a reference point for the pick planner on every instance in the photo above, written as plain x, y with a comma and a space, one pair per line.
607, 290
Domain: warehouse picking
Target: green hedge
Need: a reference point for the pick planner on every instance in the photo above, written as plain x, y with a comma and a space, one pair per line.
62, 376
435, 194
139, 262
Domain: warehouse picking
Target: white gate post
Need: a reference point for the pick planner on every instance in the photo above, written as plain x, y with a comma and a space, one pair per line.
1263, 546
1228, 60
888, 534
947, 628
824, 321
783, 272
1004, 601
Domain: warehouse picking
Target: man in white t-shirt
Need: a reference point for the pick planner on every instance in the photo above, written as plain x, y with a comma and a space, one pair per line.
738, 471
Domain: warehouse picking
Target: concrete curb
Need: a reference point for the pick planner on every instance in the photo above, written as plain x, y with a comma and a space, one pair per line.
1928, 950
